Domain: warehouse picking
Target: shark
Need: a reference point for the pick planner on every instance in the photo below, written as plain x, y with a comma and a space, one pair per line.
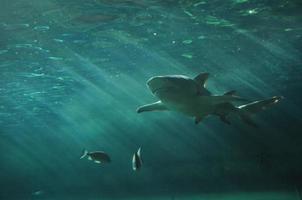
190, 97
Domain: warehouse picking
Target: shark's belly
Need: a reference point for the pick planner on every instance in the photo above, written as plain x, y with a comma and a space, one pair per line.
191, 106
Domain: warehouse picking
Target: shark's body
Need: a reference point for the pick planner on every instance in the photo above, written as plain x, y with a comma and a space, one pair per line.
190, 97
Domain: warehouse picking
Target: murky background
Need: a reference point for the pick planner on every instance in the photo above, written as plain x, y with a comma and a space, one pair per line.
72, 74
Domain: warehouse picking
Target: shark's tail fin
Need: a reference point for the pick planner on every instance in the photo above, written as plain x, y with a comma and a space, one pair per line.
258, 106
247, 110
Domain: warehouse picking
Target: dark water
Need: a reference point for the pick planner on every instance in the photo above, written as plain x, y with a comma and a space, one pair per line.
73, 73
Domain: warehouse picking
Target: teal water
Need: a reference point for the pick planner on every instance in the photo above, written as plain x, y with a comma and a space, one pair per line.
74, 72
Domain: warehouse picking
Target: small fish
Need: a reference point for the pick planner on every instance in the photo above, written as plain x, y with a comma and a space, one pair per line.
96, 156
58, 40
41, 28
55, 58
38, 193
137, 160
14, 27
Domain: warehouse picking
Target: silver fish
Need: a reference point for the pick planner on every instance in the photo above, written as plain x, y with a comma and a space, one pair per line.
137, 160
96, 156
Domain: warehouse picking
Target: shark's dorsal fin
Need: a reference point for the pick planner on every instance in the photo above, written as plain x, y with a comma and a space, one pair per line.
202, 78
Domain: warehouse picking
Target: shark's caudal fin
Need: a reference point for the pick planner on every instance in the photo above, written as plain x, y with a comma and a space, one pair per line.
157, 106
247, 110
202, 78
258, 106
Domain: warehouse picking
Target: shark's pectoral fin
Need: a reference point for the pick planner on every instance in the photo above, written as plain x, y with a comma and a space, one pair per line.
202, 78
224, 119
157, 106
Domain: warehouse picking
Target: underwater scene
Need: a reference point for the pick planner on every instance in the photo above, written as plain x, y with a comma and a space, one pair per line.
151, 99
